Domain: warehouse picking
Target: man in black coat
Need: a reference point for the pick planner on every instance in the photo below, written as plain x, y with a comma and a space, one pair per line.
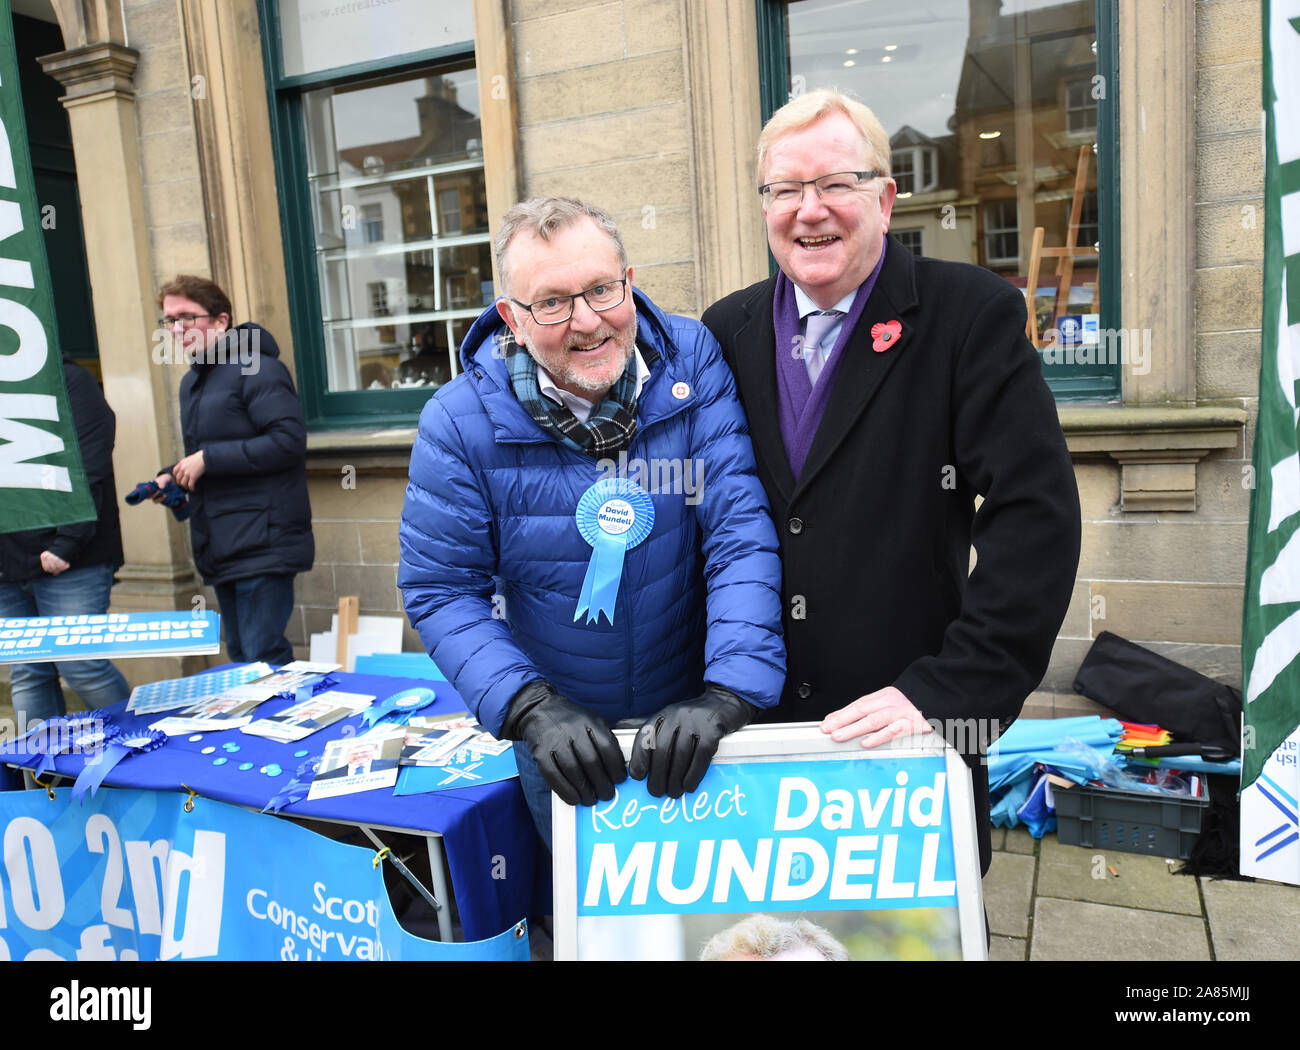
245, 467
67, 571
884, 394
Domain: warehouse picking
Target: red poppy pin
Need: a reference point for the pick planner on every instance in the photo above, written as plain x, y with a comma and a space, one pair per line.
884, 334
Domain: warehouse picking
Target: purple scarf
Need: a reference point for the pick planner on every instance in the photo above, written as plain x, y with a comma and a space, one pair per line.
800, 405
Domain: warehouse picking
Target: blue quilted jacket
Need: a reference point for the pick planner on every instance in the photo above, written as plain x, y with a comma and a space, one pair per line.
492, 498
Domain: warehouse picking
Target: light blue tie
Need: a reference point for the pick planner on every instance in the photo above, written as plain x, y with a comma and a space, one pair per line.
814, 353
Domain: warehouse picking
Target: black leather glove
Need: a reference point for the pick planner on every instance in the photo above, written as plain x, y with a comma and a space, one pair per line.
575, 750
676, 746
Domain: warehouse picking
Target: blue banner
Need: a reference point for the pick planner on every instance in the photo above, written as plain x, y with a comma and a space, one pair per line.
131, 875
38, 639
806, 836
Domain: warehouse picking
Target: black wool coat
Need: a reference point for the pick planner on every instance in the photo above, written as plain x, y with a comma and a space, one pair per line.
877, 530
250, 515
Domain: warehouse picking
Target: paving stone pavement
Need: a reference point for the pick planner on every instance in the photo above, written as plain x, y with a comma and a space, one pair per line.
1047, 901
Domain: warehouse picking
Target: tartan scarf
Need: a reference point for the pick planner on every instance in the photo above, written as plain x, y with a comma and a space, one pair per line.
612, 424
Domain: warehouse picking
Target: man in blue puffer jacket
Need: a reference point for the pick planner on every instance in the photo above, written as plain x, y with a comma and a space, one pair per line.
593, 457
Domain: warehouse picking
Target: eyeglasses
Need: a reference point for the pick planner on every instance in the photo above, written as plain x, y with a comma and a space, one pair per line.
832, 189
184, 320
557, 309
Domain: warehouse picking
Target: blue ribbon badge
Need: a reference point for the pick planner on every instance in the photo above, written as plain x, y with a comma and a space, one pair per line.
614, 515
112, 746
53, 737
399, 707
297, 788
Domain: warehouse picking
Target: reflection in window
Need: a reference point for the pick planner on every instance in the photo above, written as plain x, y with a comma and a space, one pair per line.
1001, 232
913, 240
1080, 108
914, 168
1089, 222
399, 204
990, 113
372, 222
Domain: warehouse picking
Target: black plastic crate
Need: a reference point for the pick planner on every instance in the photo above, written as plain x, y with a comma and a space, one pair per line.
1130, 821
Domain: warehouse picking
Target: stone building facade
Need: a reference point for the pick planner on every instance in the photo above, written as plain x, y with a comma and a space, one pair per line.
177, 110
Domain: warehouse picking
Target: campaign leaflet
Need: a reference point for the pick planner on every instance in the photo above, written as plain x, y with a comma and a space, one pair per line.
359, 763
307, 716
234, 707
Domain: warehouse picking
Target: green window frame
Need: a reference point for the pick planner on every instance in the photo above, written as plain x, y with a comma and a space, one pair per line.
325, 409
1068, 382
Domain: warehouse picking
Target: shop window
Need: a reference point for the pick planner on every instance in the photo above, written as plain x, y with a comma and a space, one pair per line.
999, 120
383, 194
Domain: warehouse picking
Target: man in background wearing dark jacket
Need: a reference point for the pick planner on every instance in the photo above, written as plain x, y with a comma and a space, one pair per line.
245, 467
68, 571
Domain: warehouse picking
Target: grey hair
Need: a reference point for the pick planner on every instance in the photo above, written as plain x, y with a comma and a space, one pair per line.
546, 216
763, 937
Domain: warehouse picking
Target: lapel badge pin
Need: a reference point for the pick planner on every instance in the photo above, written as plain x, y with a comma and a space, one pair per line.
884, 334
681, 391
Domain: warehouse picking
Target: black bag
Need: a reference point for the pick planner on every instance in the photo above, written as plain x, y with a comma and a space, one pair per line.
1142, 686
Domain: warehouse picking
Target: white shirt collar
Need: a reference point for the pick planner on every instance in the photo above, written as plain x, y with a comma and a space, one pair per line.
807, 306
580, 406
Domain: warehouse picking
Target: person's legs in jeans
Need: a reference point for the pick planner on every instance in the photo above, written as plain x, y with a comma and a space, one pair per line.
537, 793
35, 687
228, 602
255, 625
84, 590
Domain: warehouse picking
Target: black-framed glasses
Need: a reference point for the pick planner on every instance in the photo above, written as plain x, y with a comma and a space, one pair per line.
835, 188
184, 320
556, 309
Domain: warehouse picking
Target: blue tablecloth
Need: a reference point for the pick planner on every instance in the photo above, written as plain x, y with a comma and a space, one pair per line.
498, 866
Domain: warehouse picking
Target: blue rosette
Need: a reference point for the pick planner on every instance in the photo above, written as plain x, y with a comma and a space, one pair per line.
53, 737
398, 708
113, 747
614, 515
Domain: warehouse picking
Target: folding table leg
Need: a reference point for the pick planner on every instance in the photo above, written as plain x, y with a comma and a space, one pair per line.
438, 876
438, 899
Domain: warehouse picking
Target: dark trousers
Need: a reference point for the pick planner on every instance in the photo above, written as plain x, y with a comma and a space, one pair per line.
254, 613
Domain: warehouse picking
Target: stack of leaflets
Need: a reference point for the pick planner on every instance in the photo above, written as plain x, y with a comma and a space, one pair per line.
183, 692
307, 716
442, 740
451, 751
233, 707
451, 748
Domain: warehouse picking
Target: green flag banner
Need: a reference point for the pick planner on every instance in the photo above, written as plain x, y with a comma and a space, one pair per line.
42, 482
1270, 639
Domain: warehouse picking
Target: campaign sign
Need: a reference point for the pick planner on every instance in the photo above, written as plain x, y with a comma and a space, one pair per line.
131, 875
851, 851
39, 639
